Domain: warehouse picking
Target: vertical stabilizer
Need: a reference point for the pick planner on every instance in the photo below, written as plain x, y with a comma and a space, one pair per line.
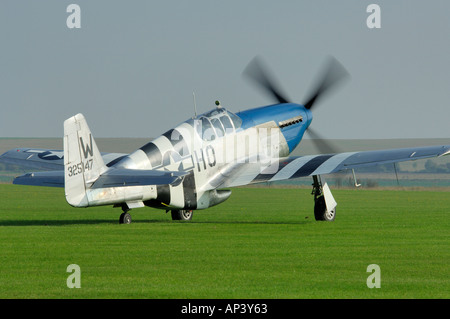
83, 162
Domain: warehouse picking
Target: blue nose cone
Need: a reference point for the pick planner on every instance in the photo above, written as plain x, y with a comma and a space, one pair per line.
292, 119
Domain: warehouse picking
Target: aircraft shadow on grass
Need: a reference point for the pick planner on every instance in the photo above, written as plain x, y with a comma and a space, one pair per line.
21, 223
53, 222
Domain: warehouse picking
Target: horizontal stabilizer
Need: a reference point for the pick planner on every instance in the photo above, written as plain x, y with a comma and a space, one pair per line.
136, 177
111, 178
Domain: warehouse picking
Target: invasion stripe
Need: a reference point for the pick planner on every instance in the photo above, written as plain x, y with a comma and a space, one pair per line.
136, 160
178, 142
311, 166
164, 144
189, 191
115, 161
177, 196
330, 165
163, 193
292, 167
246, 176
153, 154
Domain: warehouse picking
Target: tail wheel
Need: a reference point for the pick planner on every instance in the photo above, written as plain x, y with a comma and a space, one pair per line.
182, 214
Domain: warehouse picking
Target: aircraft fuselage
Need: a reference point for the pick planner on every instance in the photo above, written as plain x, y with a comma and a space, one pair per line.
212, 145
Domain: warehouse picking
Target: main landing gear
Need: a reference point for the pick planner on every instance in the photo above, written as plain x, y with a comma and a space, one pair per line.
182, 214
125, 217
324, 203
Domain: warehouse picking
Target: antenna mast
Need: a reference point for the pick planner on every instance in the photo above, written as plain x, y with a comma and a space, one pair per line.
195, 105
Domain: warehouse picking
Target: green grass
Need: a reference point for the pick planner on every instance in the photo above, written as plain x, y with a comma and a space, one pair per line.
261, 243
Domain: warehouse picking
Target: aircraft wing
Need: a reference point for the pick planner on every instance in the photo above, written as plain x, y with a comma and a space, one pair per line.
50, 179
301, 166
111, 178
42, 159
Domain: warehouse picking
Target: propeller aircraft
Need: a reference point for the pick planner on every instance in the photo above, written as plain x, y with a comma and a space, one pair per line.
192, 166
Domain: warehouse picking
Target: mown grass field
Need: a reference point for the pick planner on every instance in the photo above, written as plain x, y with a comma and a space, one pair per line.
261, 243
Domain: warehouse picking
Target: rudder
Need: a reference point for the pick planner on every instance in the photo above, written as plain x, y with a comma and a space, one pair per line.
83, 163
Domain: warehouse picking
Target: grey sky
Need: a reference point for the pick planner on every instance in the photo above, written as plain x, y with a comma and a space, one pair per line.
133, 65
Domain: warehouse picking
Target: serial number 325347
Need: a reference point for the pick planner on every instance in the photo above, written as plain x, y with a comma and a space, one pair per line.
76, 169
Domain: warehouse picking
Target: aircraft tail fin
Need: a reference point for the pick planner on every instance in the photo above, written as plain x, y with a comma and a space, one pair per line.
83, 163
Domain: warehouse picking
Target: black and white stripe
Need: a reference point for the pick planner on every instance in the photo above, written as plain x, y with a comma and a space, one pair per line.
295, 167
159, 152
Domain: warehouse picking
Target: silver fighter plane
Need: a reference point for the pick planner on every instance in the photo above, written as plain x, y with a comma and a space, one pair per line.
194, 165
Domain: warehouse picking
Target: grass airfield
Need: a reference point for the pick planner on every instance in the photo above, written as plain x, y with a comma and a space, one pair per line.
261, 243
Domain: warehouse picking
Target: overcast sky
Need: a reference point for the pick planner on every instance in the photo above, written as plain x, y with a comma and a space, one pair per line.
132, 66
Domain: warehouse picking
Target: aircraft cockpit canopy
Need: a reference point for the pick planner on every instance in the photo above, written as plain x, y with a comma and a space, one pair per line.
216, 124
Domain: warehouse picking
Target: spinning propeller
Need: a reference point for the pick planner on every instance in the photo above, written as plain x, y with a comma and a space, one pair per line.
332, 74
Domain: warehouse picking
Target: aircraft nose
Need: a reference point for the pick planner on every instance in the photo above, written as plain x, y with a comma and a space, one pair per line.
295, 121
309, 117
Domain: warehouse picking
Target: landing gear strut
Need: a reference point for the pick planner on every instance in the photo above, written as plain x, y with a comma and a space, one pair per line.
125, 217
324, 203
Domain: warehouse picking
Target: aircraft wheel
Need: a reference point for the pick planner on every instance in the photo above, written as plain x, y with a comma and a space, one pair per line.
320, 210
182, 214
125, 218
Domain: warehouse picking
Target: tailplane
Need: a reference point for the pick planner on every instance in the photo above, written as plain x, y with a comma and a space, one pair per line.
83, 163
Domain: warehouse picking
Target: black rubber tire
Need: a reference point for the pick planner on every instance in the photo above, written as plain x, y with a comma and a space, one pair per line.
182, 214
320, 211
125, 218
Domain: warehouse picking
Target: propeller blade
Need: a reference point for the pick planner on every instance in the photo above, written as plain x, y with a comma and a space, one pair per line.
320, 143
259, 73
333, 73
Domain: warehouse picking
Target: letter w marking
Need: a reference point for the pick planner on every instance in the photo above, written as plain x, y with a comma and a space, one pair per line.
88, 149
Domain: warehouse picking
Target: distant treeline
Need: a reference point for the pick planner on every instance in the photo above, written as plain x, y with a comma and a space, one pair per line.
430, 167
6, 167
